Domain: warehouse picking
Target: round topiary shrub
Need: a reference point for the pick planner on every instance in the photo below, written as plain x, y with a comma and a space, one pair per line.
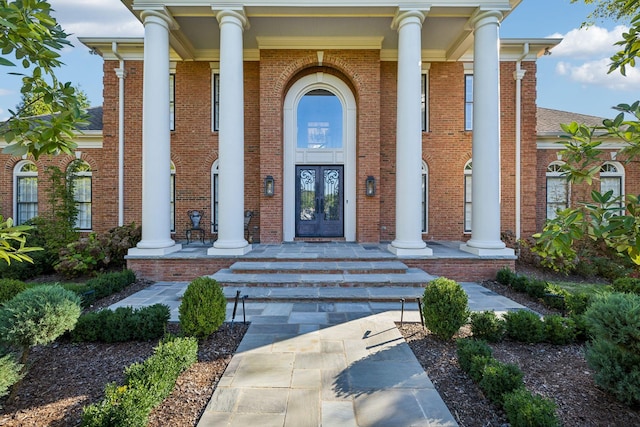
203, 308
525, 409
38, 315
444, 307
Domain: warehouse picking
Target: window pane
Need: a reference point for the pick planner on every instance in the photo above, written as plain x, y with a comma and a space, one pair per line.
424, 103
468, 102
172, 189
216, 102
214, 220
424, 202
557, 195
172, 102
320, 121
467, 202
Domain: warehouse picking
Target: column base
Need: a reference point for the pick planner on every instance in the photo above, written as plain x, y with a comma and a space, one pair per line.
407, 252
230, 251
488, 252
136, 251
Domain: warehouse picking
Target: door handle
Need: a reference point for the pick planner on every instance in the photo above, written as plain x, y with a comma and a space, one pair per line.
322, 205
317, 205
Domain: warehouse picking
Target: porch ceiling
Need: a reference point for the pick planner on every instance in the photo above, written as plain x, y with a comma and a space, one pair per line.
332, 24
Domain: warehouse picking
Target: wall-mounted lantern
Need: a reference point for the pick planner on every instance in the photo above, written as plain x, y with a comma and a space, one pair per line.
269, 186
370, 186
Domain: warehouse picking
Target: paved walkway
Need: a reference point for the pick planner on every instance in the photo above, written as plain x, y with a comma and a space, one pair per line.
329, 363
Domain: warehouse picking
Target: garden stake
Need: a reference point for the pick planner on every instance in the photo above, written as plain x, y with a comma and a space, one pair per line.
420, 310
244, 315
402, 312
235, 306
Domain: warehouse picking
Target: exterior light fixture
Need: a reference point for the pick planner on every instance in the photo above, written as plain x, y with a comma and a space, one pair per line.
269, 186
370, 186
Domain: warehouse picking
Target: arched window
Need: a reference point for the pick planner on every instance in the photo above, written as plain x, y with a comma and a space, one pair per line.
319, 121
214, 196
425, 198
82, 177
172, 201
557, 189
26, 191
612, 179
467, 197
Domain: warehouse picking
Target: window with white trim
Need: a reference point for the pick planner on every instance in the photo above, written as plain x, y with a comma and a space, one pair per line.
214, 196
82, 177
467, 197
215, 100
468, 102
557, 189
172, 197
612, 179
425, 102
425, 197
172, 101
26, 191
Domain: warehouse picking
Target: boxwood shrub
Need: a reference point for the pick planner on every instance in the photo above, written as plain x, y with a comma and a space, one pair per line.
524, 326
444, 307
203, 308
122, 324
525, 409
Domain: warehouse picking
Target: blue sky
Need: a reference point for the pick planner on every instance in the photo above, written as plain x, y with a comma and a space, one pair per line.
574, 78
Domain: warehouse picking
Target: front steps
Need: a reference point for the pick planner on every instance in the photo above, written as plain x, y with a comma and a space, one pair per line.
323, 280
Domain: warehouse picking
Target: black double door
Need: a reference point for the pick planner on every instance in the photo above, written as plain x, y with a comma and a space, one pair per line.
319, 201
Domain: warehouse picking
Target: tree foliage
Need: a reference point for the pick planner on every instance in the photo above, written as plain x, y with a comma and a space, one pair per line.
33, 39
608, 221
32, 104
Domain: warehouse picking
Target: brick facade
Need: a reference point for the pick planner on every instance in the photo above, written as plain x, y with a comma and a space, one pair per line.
194, 146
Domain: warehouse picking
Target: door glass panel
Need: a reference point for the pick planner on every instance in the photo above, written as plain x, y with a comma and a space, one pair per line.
307, 194
331, 194
319, 121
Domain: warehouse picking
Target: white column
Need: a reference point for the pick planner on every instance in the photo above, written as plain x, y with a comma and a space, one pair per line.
408, 241
156, 139
231, 239
485, 214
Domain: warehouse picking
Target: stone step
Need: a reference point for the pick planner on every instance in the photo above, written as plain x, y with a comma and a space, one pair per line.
319, 267
387, 294
412, 277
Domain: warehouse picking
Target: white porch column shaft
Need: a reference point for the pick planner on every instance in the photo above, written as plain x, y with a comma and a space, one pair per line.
231, 239
485, 216
156, 138
408, 239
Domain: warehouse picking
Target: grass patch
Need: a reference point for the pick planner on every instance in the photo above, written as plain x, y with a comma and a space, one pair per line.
588, 288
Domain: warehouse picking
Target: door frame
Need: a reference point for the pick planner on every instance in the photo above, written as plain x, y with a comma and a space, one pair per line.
294, 156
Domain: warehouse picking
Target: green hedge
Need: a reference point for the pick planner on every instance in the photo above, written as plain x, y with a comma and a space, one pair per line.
146, 385
122, 324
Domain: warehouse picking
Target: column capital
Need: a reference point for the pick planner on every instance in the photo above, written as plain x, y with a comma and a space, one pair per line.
485, 17
158, 16
232, 12
405, 16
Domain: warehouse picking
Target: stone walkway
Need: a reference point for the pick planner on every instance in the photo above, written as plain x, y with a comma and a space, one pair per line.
323, 363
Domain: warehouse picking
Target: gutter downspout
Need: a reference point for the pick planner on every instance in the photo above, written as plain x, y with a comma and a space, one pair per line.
518, 75
121, 73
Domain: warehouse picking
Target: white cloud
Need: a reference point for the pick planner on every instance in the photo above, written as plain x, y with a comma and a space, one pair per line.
4, 92
594, 72
96, 18
588, 42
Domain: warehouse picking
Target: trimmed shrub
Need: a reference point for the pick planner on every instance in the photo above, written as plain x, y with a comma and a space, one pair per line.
203, 308
580, 324
9, 288
525, 409
524, 326
499, 378
444, 307
559, 330
614, 353
10, 373
476, 368
520, 283
467, 348
38, 315
146, 385
487, 326
536, 288
103, 285
122, 324
579, 302
627, 285
505, 276
556, 297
